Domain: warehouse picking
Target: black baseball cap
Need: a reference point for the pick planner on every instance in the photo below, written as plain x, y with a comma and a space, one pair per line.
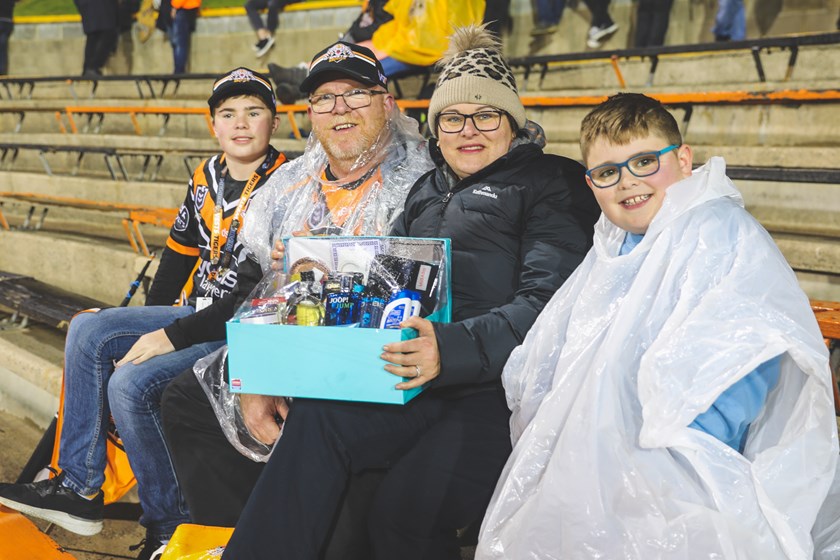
344, 60
242, 81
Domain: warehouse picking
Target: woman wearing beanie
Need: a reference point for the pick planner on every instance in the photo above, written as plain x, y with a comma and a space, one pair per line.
520, 221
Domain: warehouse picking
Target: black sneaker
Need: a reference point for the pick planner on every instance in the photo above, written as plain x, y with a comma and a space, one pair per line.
50, 501
152, 549
263, 46
599, 34
287, 94
292, 75
543, 29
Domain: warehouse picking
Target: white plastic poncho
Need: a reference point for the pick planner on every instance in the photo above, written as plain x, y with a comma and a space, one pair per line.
289, 203
625, 356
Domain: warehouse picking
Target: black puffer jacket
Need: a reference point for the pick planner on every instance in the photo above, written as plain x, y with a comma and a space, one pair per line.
519, 227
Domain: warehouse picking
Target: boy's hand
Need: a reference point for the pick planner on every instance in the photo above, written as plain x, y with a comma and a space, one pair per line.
260, 415
277, 255
418, 358
148, 346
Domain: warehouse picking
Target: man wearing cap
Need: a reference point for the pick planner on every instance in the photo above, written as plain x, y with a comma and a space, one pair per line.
119, 360
361, 159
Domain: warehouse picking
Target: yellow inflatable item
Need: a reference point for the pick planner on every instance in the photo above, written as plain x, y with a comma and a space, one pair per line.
197, 542
20, 539
419, 33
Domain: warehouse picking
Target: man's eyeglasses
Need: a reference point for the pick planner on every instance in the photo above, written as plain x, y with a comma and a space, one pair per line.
484, 121
354, 99
642, 165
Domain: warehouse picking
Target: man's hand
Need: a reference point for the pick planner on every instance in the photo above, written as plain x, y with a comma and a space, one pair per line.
260, 415
277, 255
148, 346
418, 358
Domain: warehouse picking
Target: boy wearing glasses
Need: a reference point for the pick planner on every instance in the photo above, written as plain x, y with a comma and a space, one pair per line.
673, 400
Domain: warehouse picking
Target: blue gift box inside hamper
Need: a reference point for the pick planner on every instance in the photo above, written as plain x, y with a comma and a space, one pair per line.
335, 363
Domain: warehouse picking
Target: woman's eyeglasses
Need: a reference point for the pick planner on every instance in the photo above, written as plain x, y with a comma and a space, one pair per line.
483, 121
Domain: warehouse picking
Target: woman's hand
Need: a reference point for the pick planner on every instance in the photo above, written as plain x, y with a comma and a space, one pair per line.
260, 414
148, 346
417, 358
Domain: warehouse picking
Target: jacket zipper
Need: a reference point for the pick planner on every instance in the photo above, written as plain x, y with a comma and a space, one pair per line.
445, 201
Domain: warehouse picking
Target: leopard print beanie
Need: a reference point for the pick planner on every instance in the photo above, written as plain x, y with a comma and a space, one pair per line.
473, 70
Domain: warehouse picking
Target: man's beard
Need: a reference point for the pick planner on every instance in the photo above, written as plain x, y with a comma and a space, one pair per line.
357, 152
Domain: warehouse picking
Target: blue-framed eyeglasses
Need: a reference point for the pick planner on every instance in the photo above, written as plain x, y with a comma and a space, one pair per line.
641, 165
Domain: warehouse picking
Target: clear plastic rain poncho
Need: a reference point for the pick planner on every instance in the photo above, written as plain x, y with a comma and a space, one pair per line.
625, 356
294, 202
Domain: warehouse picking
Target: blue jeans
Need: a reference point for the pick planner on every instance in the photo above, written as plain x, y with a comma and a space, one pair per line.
391, 66
94, 390
549, 12
179, 37
730, 21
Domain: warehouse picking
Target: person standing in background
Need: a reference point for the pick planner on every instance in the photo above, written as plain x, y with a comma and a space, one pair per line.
6, 28
497, 16
730, 21
265, 31
99, 22
549, 13
652, 18
184, 14
602, 27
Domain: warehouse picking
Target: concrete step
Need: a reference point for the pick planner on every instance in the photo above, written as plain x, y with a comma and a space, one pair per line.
158, 193
92, 223
690, 23
48, 117
221, 43
95, 267
795, 208
31, 361
77, 90
817, 67
742, 125
739, 155
174, 149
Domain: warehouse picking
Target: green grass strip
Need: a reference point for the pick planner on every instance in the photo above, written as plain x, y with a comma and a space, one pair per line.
57, 11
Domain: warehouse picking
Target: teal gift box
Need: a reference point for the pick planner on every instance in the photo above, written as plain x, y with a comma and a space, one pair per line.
337, 363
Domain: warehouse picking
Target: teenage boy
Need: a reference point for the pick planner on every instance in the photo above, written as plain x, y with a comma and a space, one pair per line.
118, 361
673, 400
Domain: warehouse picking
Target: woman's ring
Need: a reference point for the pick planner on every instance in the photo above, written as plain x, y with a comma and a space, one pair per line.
417, 369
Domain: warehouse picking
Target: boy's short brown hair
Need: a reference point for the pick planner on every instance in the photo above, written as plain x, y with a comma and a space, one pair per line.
625, 117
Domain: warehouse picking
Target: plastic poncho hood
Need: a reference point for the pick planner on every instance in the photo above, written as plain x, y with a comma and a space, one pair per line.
621, 361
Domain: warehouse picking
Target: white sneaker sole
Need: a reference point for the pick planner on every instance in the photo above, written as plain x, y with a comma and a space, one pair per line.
261, 52
78, 525
596, 39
